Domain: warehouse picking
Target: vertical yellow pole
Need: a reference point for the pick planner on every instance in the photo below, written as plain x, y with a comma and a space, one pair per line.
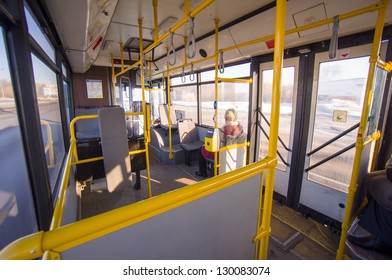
122, 56
216, 163
171, 156
146, 128
275, 111
187, 8
362, 127
113, 81
155, 5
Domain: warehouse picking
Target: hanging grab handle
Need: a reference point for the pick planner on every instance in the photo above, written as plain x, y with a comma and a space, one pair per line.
192, 74
334, 40
145, 65
183, 79
172, 52
190, 53
221, 65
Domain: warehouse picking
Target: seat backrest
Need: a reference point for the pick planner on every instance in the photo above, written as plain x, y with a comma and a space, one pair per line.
115, 149
230, 140
86, 128
164, 115
187, 131
234, 158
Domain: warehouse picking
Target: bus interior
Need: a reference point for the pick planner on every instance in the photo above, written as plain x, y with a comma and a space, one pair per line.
106, 104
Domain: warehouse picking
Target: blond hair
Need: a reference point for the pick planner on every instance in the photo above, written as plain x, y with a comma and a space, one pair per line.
231, 115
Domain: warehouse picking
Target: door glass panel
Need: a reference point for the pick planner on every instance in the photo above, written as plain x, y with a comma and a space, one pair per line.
17, 213
340, 93
287, 93
378, 91
136, 100
123, 99
156, 97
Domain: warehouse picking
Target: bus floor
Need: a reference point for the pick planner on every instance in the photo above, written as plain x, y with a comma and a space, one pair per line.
293, 236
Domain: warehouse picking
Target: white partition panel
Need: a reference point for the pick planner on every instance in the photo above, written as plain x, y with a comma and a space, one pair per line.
219, 226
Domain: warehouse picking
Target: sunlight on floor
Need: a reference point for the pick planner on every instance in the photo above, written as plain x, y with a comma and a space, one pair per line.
151, 179
186, 181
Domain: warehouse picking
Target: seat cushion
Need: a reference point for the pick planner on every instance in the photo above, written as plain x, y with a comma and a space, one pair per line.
193, 146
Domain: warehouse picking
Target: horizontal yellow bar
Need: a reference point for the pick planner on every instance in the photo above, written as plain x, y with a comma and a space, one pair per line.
184, 65
387, 66
128, 68
234, 146
74, 120
133, 113
81, 161
101, 158
231, 80
261, 234
72, 235
137, 152
375, 136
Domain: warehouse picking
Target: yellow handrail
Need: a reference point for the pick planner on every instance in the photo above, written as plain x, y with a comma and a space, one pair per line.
171, 156
228, 148
69, 236
231, 80
263, 233
234, 146
383, 6
147, 139
216, 20
146, 126
387, 66
60, 202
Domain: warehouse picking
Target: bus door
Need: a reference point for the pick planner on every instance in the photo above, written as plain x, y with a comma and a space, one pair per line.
338, 92
286, 121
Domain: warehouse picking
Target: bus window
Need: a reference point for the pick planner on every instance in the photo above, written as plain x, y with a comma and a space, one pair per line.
185, 98
230, 95
67, 100
49, 109
17, 214
40, 37
236, 71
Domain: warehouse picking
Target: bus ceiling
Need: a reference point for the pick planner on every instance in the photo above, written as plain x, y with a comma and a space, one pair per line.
92, 31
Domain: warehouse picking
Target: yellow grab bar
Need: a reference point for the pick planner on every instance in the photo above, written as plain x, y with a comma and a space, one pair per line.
72, 235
